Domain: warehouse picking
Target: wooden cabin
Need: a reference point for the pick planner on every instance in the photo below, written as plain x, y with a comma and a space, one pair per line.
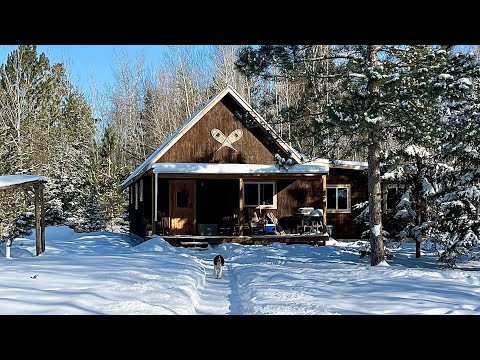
220, 169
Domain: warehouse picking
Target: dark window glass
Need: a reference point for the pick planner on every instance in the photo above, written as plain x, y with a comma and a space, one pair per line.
342, 194
251, 194
266, 194
182, 198
331, 198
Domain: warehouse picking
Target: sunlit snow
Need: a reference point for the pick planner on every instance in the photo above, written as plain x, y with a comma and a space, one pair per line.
103, 273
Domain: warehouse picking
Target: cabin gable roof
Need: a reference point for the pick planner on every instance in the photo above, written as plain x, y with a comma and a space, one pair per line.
252, 121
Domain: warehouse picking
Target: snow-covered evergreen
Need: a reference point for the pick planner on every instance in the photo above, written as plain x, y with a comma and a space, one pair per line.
66, 191
93, 219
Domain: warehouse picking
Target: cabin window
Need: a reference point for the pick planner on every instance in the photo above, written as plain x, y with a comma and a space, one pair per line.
140, 190
260, 195
338, 198
182, 199
136, 195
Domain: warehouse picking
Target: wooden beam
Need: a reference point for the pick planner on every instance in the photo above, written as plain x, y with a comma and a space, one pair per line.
260, 177
42, 217
240, 208
19, 186
38, 235
324, 201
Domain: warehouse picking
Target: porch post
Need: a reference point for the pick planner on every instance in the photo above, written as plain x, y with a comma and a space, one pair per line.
324, 196
154, 206
240, 208
156, 196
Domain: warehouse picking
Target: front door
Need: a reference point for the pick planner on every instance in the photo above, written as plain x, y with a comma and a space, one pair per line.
182, 207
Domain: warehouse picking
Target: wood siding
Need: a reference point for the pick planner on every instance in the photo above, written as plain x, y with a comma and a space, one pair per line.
292, 194
136, 217
217, 198
198, 145
343, 225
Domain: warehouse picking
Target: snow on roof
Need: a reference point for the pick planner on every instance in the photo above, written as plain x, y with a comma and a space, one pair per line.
343, 164
194, 119
10, 180
236, 169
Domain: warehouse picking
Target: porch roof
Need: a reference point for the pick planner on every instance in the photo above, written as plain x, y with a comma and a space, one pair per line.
238, 169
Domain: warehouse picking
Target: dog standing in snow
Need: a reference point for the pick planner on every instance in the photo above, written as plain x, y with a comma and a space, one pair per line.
218, 262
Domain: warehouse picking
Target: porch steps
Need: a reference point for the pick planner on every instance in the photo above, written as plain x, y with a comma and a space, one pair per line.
196, 240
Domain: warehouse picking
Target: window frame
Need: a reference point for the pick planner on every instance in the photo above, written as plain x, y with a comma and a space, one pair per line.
348, 210
258, 183
136, 195
140, 190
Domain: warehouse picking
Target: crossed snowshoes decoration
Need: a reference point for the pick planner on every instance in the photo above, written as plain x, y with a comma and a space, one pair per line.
228, 141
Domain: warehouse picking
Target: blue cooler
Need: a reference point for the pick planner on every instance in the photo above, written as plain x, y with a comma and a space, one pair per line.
270, 229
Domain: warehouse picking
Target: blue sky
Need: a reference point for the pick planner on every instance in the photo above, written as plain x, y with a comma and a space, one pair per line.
87, 62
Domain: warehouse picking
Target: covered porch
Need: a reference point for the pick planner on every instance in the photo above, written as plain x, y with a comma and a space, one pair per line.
232, 202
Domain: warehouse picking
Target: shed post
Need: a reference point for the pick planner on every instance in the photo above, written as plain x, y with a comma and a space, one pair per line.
38, 234
42, 216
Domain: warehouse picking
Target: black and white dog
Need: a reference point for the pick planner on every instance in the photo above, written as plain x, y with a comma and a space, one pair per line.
218, 262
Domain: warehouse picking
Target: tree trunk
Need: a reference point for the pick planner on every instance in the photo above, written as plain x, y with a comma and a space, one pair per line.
418, 200
374, 203
418, 236
374, 186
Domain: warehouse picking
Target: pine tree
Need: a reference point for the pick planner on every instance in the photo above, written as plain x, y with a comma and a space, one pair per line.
387, 93
416, 176
457, 202
105, 177
93, 219
50, 130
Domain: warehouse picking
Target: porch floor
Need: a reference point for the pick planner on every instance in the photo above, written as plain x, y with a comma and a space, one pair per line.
314, 239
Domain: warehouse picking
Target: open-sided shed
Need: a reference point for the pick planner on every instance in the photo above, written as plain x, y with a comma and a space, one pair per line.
36, 184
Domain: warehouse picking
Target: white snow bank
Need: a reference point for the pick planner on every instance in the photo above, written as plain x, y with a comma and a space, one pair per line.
100, 273
155, 244
97, 273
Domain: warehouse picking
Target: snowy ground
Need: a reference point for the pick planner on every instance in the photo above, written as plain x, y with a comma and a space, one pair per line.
101, 273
